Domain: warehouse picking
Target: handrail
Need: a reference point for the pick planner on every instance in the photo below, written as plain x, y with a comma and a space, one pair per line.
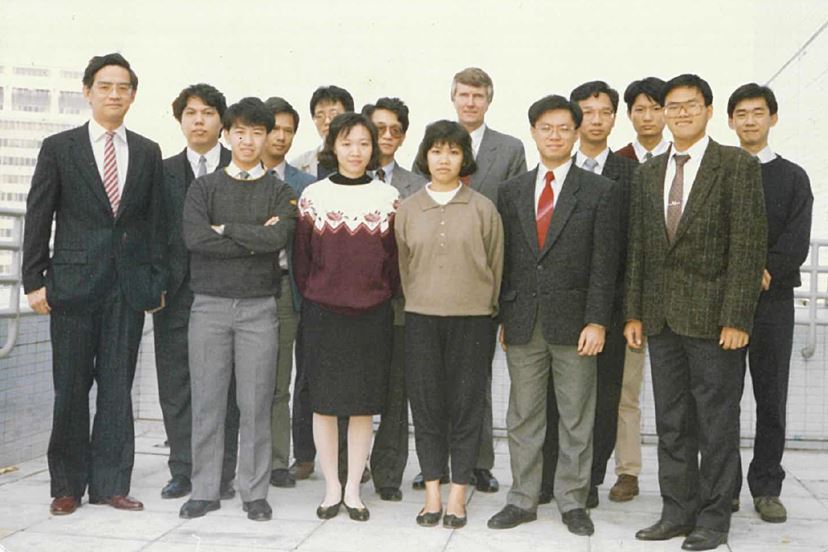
15, 245
811, 295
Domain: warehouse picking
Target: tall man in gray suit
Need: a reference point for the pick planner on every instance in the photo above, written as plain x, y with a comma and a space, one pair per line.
499, 157
390, 452
697, 250
561, 227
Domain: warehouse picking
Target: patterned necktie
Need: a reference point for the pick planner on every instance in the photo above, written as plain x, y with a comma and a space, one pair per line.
111, 173
381, 174
591, 164
675, 199
244, 175
648, 156
202, 166
546, 206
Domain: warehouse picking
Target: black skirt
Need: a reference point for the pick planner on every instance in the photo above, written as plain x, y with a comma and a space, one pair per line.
347, 359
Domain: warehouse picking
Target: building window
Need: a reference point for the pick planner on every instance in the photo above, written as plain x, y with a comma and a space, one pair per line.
19, 143
78, 75
31, 71
29, 99
18, 161
72, 102
2, 96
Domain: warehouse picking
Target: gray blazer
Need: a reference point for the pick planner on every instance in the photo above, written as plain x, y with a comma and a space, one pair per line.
406, 182
499, 158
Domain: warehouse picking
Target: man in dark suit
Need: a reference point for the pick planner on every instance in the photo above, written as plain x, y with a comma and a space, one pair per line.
697, 248
647, 119
198, 109
599, 103
103, 185
561, 227
279, 141
389, 454
752, 111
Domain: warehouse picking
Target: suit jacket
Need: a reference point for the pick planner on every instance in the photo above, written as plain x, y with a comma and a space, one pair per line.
406, 182
710, 275
571, 281
178, 174
620, 170
628, 151
95, 251
298, 181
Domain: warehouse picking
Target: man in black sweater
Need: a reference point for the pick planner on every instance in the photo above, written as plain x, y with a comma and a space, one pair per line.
235, 223
751, 112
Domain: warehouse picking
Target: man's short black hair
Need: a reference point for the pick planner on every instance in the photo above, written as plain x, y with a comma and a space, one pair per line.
750, 91
248, 111
687, 80
278, 105
446, 132
394, 105
592, 89
552, 103
331, 94
649, 86
99, 62
343, 124
208, 94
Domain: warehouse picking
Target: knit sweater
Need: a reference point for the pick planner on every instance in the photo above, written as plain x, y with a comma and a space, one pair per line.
344, 253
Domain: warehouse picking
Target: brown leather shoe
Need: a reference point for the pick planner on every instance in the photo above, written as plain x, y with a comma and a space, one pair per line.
301, 470
64, 505
625, 488
120, 502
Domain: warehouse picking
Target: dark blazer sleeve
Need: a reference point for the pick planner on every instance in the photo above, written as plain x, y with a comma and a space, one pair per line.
196, 226
605, 254
41, 204
159, 227
792, 245
634, 277
258, 238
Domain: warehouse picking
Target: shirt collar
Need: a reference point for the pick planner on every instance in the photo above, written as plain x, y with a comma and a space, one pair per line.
766, 155
641, 151
97, 132
560, 171
696, 151
212, 157
477, 137
601, 158
234, 170
279, 170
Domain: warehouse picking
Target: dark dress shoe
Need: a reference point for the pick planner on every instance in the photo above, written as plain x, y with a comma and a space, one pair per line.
177, 487
450, 521
64, 505
592, 497
578, 522
391, 494
704, 539
357, 514
663, 530
511, 516
485, 482
226, 490
429, 519
546, 495
327, 512
258, 510
282, 478
119, 502
418, 483
197, 508
301, 470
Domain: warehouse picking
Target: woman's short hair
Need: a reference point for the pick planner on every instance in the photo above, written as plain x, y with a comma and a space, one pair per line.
342, 125
446, 132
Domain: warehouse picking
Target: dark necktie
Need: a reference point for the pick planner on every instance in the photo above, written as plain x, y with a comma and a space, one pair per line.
244, 175
675, 199
648, 156
546, 206
381, 174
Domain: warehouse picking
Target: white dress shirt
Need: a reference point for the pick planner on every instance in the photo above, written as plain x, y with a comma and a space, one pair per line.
766, 155
253, 173
212, 157
477, 137
691, 167
557, 183
97, 136
580, 159
279, 170
641, 151
442, 198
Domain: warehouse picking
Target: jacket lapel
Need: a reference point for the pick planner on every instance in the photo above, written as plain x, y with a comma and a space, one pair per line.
85, 160
563, 208
136, 162
224, 157
526, 210
705, 179
485, 157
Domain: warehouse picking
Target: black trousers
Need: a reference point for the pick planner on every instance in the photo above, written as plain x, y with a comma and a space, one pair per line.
769, 356
173, 371
100, 346
446, 362
389, 454
696, 387
610, 375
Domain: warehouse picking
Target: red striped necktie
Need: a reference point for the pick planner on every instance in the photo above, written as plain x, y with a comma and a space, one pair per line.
111, 173
546, 206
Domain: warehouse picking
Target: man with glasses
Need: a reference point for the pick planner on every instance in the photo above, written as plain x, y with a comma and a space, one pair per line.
561, 227
599, 103
697, 250
390, 451
326, 103
102, 185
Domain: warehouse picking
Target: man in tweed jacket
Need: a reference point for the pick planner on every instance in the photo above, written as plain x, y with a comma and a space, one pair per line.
695, 258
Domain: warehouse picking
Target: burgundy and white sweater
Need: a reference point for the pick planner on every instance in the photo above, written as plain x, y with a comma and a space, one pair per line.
344, 251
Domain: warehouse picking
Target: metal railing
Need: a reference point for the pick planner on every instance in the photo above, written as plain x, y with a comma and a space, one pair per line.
810, 299
13, 312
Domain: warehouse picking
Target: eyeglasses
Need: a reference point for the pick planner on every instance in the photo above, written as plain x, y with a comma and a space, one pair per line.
395, 130
122, 88
562, 130
322, 116
692, 108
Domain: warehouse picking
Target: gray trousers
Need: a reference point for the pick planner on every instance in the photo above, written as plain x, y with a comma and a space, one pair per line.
530, 367
280, 413
228, 334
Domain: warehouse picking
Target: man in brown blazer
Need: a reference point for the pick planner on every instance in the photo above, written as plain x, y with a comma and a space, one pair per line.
695, 258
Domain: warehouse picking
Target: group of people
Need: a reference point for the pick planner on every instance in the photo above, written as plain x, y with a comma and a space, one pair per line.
393, 287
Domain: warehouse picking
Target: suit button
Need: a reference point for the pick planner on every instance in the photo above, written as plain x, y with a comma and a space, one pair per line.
540, 267
534, 294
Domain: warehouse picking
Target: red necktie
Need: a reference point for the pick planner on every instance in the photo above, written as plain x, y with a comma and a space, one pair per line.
546, 206
111, 173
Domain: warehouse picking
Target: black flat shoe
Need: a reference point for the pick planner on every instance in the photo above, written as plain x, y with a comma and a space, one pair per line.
327, 512
197, 508
177, 487
357, 514
663, 530
429, 519
704, 539
258, 510
450, 521
511, 516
